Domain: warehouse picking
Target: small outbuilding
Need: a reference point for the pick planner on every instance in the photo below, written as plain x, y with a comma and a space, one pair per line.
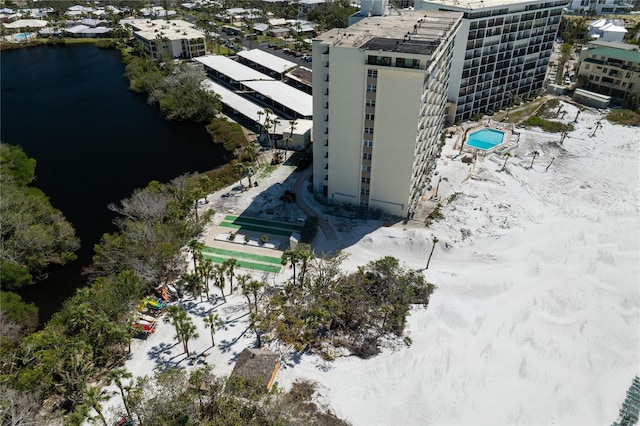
257, 367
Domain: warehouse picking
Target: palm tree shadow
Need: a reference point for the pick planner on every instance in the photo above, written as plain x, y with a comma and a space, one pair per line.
226, 345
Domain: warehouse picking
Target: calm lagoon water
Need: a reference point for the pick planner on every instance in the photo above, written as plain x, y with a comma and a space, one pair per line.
94, 140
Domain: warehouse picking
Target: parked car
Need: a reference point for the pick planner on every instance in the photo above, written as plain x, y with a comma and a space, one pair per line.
308, 59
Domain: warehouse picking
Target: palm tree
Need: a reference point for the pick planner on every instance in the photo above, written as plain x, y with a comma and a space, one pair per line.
434, 240
239, 170
193, 284
243, 281
253, 287
195, 248
598, 125
506, 157
230, 265
185, 329
206, 273
218, 273
213, 321
94, 396
116, 376
275, 123
292, 256
549, 165
575, 120
287, 141
535, 154
564, 135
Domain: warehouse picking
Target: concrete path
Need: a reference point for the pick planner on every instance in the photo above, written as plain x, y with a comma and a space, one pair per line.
300, 189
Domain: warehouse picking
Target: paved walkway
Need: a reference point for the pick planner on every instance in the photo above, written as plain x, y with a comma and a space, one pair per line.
300, 190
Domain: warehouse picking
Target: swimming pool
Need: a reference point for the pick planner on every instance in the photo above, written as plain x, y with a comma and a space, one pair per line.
21, 36
485, 139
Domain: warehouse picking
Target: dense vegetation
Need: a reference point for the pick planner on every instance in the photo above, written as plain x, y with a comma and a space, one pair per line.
544, 115
624, 116
92, 331
173, 397
326, 311
174, 87
33, 234
334, 14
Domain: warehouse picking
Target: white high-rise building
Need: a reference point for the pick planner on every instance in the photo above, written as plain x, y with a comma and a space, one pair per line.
502, 51
379, 94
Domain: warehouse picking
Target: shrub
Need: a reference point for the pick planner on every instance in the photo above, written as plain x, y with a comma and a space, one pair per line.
246, 239
548, 125
105, 44
435, 215
264, 239
624, 116
232, 236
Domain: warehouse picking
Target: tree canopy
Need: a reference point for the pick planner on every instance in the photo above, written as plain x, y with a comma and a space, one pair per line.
33, 234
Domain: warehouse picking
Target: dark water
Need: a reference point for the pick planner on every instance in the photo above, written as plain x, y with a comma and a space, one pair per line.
94, 142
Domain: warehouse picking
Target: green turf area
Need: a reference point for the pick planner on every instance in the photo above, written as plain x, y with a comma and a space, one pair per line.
240, 220
244, 264
260, 229
242, 255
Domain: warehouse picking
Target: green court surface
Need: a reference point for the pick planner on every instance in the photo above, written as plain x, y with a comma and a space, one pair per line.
241, 255
241, 220
260, 229
244, 264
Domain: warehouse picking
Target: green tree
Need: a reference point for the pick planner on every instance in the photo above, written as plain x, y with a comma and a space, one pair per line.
213, 321
230, 265
195, 248
219, 279
117, 375
94, 397
184, 326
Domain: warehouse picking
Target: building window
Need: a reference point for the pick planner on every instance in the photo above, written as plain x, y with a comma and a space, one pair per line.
379, 60
368, 130
372, 73
370, 88
367, 144
371, 103
366, 168
407, 63
366, 156
364, 192
366, 181
586, 67
368, 116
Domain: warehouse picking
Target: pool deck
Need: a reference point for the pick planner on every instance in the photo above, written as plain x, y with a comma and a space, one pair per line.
492, 125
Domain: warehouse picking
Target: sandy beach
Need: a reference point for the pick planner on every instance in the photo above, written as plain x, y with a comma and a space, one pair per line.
536, 315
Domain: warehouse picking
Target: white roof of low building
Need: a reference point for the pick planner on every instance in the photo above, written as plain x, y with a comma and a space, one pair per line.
174, 29
301, 127
50, 31
76, 29
78, 8
232, 69
260, 27
284, 94
277, 21
238, 103
613, 28
92, 22
267, 60
23, 23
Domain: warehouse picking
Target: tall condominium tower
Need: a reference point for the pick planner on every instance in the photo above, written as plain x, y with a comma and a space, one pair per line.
379, 93
501, 51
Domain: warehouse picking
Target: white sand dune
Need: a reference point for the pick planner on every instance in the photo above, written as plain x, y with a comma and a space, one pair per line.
536, 315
